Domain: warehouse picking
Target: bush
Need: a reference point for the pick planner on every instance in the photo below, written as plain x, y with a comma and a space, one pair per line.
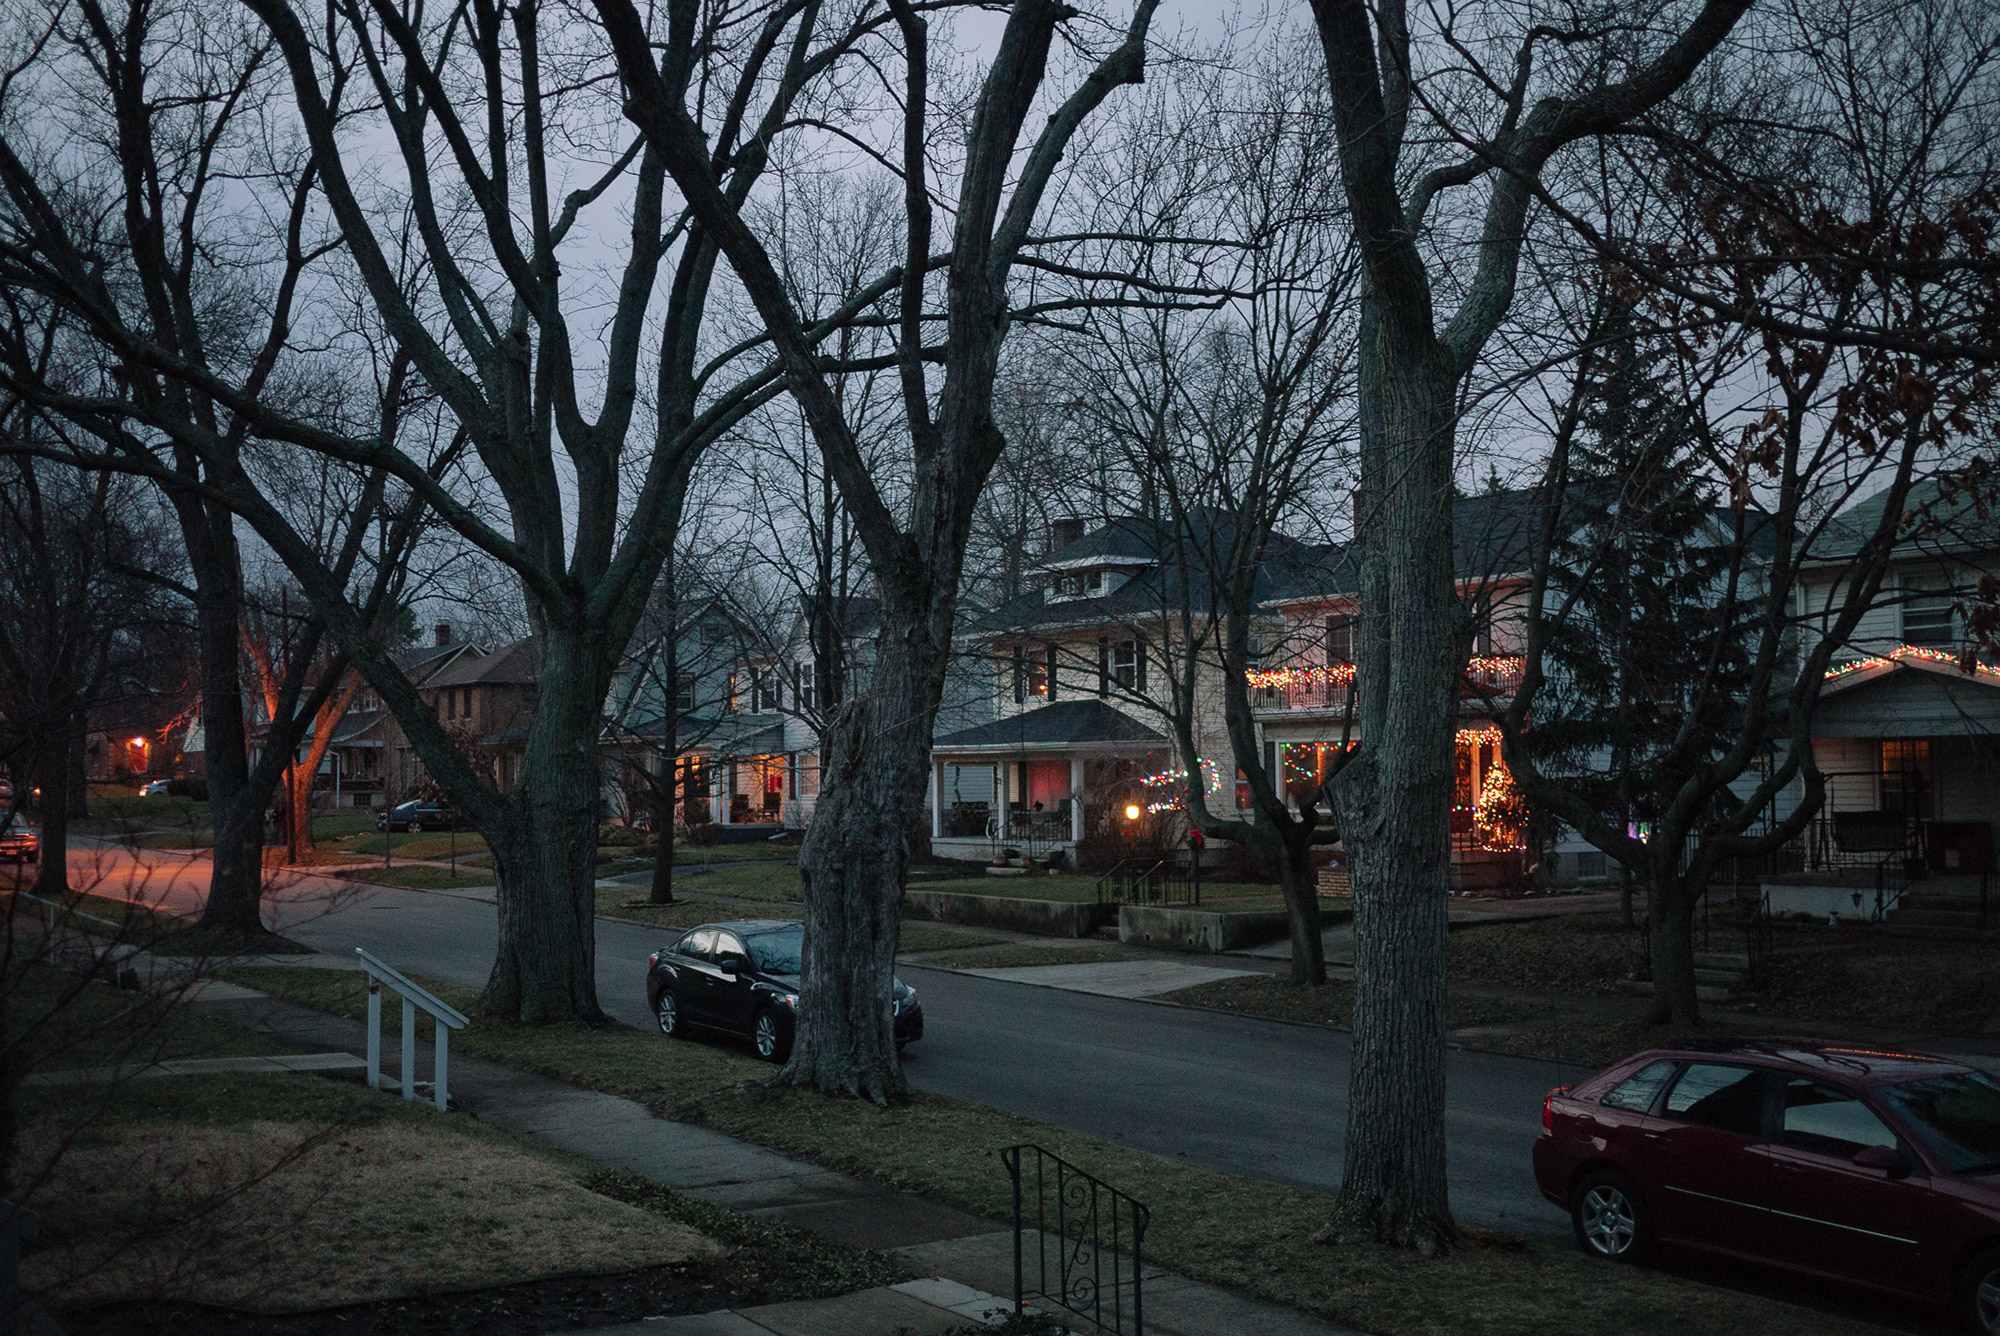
702, 833
619, 837
196, 789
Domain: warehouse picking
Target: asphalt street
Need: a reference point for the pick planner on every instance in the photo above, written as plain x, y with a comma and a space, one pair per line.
1234, 1094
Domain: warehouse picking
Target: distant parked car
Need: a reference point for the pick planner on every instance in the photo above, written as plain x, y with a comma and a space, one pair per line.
1856, 1165
156, 789
418, 816
742, 979
19, 841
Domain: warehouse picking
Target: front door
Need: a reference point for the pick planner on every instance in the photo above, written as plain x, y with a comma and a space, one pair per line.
1832, 1214
1710, 1151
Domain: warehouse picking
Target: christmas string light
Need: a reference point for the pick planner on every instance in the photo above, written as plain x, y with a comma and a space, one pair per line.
1902, 652
1278, 679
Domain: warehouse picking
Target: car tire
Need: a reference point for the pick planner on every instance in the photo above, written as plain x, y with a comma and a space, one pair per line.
768, 1037
667, 1014
1979, 1294
1610, 1217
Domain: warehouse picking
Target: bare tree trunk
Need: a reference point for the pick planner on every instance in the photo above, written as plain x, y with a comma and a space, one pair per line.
545, 968
1670, 925
1396, 798
79, 770
874, 766
52, 772
236, 814
662, 889
1301, 888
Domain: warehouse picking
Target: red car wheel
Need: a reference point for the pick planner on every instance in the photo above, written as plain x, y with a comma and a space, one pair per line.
1610, 1217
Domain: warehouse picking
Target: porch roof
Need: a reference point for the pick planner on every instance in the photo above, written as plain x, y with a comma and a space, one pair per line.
1062, 726
1908, 693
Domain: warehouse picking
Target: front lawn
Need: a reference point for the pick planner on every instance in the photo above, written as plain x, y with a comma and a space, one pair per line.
1243, 1233
56, 1021
1272, 997
412, 844
419, 876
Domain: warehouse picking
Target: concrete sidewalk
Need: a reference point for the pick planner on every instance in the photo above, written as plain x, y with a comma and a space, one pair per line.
933, 1240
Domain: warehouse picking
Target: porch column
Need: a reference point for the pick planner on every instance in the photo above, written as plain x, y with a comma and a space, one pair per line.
1076, 798
937, 799
1002, 780
725, 786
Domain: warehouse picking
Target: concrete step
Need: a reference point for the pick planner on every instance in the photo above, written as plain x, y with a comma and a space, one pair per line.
1722, 960
1926, 900
1706, 992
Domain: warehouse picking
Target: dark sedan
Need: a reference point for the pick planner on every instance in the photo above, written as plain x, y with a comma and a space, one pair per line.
742, 979
417, 816
1858, 1165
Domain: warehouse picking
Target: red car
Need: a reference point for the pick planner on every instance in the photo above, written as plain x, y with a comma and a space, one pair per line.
1859, 1165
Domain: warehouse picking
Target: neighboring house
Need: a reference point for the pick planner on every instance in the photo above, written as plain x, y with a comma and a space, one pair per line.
1907, 732
746, 750
140, 732
1082, 668
370, 762
1303, 696
486, 701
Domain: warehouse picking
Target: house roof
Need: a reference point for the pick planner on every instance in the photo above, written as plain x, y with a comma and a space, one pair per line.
1938, 513
510, 665
420, 662
1908, 693
1069, 723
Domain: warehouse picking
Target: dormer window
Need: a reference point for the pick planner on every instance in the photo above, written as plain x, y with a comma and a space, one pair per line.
1093, 583
1068, 586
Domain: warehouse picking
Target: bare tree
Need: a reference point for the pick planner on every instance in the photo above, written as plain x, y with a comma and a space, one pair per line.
876, 762
1394, 795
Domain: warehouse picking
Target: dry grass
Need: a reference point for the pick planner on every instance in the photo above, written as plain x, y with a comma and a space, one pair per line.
1242, 1233
1272, 997
275, 1213
58, 1022
1023, 955
419, 876
1565, 953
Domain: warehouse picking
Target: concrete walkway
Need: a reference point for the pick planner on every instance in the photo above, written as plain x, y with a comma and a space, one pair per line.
1118, 978
938, 1242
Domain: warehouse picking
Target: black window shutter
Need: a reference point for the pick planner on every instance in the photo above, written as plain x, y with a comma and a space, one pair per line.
1020, 675
1139, 653
1052, 671
1103, 667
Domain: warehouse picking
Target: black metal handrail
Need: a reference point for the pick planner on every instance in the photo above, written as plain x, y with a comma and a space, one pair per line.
1095, 1233
1149, 881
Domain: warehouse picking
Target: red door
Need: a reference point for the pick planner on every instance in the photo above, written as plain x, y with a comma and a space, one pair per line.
1830, 1214
1711, 1186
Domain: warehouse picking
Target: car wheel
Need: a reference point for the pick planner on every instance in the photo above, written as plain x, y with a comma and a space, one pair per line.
773, 1044
1610, 1217
668, 1013
1979, 1294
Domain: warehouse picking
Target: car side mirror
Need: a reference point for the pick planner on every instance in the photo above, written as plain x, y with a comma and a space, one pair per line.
1887, 1159
729, 965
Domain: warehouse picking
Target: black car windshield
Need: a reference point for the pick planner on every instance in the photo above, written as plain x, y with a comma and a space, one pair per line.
777, 952
1956, 1116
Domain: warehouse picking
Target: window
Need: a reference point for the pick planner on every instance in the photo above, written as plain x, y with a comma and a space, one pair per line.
1125, 663
697, 945
728, 947
1728, 1098
1067, 586
714, 633
450, 703
1339, 641
1957, 1116
1926, 612
1093, 582
807, 773
684, 692
1829, 1121
769, 690
465, 703
803, 685
1639, 1091
731, 695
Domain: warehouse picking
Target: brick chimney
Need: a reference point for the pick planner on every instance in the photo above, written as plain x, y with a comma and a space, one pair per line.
1064, 532
444, 633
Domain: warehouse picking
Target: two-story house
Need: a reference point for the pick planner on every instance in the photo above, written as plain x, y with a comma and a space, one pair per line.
1907, 731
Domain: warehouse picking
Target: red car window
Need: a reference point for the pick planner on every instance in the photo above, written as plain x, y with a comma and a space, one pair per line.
1638, 1091
1714, 1095
1829, 1121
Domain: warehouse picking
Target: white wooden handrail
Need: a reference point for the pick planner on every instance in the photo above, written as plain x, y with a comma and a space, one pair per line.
414, 995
